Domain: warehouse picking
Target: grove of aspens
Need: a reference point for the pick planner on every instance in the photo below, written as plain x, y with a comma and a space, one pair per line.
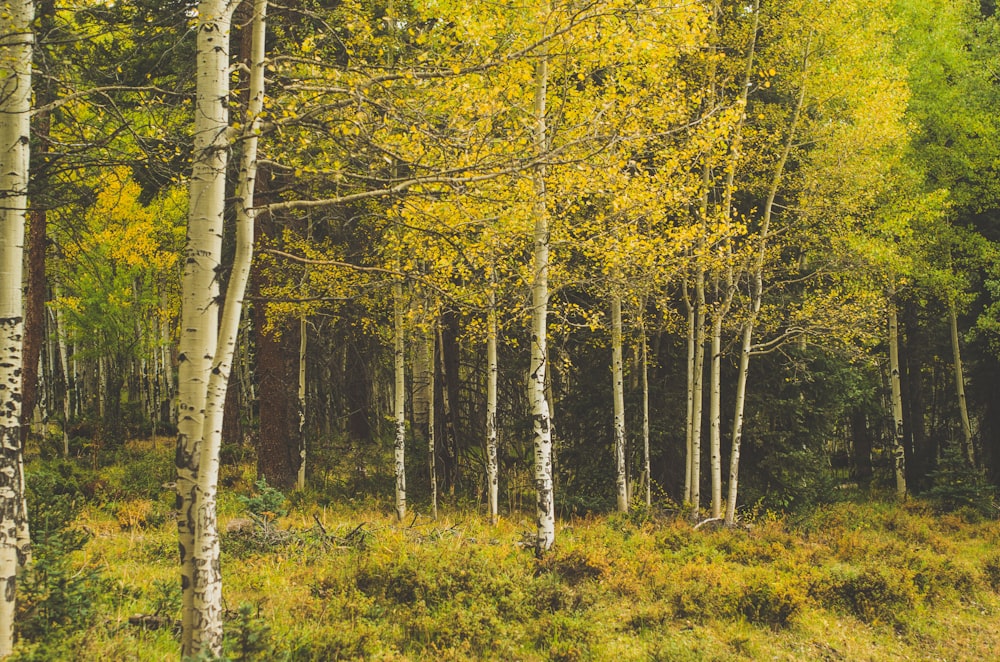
499, 330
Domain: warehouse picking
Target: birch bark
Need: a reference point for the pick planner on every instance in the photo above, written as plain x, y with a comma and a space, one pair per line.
898, 450
756, 299
541, 429
16, 43
618, 395
399, 400
963, 407
431, 366
206, 365
492, 478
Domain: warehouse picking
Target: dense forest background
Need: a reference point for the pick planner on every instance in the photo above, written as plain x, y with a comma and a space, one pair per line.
397, 151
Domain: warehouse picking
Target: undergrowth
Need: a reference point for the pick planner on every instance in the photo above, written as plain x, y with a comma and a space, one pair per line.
877, 580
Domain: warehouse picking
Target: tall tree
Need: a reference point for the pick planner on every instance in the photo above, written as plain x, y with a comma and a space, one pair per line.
208, 339
16, 40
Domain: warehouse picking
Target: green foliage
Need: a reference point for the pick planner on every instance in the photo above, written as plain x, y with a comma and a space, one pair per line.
249, 635
267, 503
958, 487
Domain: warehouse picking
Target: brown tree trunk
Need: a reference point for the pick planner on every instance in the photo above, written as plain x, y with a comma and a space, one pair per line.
34, 304
277, 392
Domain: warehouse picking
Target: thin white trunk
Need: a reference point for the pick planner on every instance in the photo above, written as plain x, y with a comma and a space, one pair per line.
64, 363
431, 444
756, 301
646, 465
689, 426
542, 433
898, 450
618, 395
963, 408
492, 477
15, 106
697, 388
715, 413
399, 399
303, 340
741, 393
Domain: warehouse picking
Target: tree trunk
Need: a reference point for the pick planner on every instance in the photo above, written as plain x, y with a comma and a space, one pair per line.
67, 385
715, 413
862, 448
898, 450
697, 385
208, 340
492, 478
450, 441
303, 338
431, 369
399, 399
756, 301
541, 432
15, 107
618, 395
646, 465
963, 408
689, 426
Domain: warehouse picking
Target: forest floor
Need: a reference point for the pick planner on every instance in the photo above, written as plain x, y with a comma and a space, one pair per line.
855, 580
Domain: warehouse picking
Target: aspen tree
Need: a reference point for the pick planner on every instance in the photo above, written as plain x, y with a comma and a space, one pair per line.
208, 340
399, 398
492, 478
541, 426
16, 42
898, 438
618, 395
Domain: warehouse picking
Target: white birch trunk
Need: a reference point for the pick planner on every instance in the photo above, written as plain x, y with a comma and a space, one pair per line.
618, 395
689, 426
207, 373
492, 469
431, 422
756, 301
199, 284
741, 393
715, 413
963, 407
697, 387
541, 429
303, 345
64, 364
15, 107
898, 450
399, 399
646, 465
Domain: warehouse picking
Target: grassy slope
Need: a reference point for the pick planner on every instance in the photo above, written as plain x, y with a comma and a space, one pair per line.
851, 581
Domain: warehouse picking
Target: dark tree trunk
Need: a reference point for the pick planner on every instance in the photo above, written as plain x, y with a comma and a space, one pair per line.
919, 456
449, 359
277, 373
277, 392
232, 416
34, 308
862, 448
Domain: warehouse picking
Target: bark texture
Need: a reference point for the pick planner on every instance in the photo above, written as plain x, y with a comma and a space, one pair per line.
492, 477
541, 428
898, 450
15, 105
618, 395
399, 400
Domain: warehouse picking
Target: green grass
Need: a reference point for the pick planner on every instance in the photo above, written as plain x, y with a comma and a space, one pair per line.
852, 581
